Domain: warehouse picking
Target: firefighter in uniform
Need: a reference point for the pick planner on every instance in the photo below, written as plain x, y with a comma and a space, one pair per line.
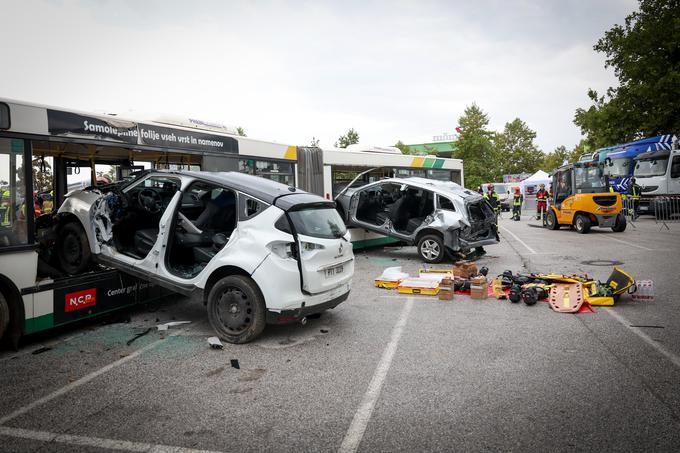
633, 199
541, 201
493, 199
517, 199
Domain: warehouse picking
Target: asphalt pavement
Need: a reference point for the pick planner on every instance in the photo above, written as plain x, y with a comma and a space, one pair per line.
381, 372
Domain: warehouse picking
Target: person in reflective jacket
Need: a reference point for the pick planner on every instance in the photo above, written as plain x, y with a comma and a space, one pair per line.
517, 199
493, 199
541, 201
633, 198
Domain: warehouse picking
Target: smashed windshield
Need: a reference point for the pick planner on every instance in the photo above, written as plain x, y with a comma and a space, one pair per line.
620, 166
651, 167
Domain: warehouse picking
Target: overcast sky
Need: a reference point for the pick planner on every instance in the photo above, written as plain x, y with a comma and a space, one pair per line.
287, 71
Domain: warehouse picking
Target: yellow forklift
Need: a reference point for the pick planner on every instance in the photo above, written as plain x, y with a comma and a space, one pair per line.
581, 198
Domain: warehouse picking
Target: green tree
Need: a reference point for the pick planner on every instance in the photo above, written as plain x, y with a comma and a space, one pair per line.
315, 142
555, 159
405, 149
516, 149
240, 131
42, 175
350, 138
476, 149
645, 55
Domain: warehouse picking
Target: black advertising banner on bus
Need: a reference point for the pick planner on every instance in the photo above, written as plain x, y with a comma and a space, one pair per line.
74, 125
181, 139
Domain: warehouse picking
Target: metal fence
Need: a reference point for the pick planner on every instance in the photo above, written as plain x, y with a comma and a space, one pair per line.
666, 209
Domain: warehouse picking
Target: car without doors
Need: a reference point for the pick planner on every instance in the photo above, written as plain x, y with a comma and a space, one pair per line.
258, 251
439, 217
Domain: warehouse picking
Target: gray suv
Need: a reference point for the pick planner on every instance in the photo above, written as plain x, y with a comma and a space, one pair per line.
440, 217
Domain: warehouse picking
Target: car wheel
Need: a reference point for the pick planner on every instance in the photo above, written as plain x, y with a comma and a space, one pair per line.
431, 248
236, 309
620, 225
582, 223
4, 315
551, 221
73, 250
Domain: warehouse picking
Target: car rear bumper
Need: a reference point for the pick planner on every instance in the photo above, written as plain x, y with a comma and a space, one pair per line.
296, 314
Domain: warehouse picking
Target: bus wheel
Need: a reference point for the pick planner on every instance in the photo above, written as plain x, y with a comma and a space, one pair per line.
236, 309
551, 221
620, 225
582, 224
73, 249
4, 315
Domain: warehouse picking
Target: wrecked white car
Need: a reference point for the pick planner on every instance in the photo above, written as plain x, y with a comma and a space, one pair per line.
257, 250
440, 217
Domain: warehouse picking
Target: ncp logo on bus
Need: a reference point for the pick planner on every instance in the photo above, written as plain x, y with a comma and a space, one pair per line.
80, 299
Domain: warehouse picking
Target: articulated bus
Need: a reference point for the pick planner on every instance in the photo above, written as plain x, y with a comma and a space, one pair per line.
47, 151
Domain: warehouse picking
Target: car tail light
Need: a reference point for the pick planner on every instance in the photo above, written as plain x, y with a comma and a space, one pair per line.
283, 249
311, 246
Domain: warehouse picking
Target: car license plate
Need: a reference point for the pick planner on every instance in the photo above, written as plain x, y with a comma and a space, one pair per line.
333, 271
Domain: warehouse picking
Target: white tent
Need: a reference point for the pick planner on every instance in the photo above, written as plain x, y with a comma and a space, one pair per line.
529, 187
532, 182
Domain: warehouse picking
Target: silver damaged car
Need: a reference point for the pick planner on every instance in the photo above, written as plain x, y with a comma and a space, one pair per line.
440, 217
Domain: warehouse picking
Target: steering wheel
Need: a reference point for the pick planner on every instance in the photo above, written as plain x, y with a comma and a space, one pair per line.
150, 200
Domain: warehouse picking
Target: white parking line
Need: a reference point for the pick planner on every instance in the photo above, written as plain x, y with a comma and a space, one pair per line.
98, 442
629, 244
83, 380
675, 360
533, 252
357, 428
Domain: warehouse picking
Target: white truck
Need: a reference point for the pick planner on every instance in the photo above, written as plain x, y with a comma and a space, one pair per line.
658, 175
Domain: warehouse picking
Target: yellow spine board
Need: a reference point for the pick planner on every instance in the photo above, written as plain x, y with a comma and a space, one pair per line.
418, 291
387, 284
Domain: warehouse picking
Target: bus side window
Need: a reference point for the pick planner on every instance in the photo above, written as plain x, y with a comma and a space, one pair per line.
13, 208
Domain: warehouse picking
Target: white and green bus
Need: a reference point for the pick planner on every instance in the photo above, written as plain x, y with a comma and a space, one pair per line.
46, 151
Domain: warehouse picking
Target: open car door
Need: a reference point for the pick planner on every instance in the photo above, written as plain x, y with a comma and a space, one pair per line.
375, 206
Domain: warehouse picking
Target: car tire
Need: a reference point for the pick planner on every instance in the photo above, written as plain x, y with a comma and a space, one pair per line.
4, 315
236, 309
620, 225
551, 221
431, 248
73, 250
581, 223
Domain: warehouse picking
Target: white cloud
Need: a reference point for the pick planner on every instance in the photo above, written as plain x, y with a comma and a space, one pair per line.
290, 71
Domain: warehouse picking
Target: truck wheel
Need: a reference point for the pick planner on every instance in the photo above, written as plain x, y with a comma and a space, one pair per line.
551, 221
4, 315
73, 249
582, 223
236, 309
620, 225
431, 248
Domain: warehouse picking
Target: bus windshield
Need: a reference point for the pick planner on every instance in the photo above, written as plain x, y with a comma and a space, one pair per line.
651, 167
620, 166
589, 179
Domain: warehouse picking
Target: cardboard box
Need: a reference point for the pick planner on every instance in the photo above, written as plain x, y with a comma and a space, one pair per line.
464, 269
480, 280
446, 289
478, 292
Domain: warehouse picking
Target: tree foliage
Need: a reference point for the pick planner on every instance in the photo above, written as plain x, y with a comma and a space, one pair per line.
240, 131
405, 149
350, 138
476, 149
645, 55
516, 149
